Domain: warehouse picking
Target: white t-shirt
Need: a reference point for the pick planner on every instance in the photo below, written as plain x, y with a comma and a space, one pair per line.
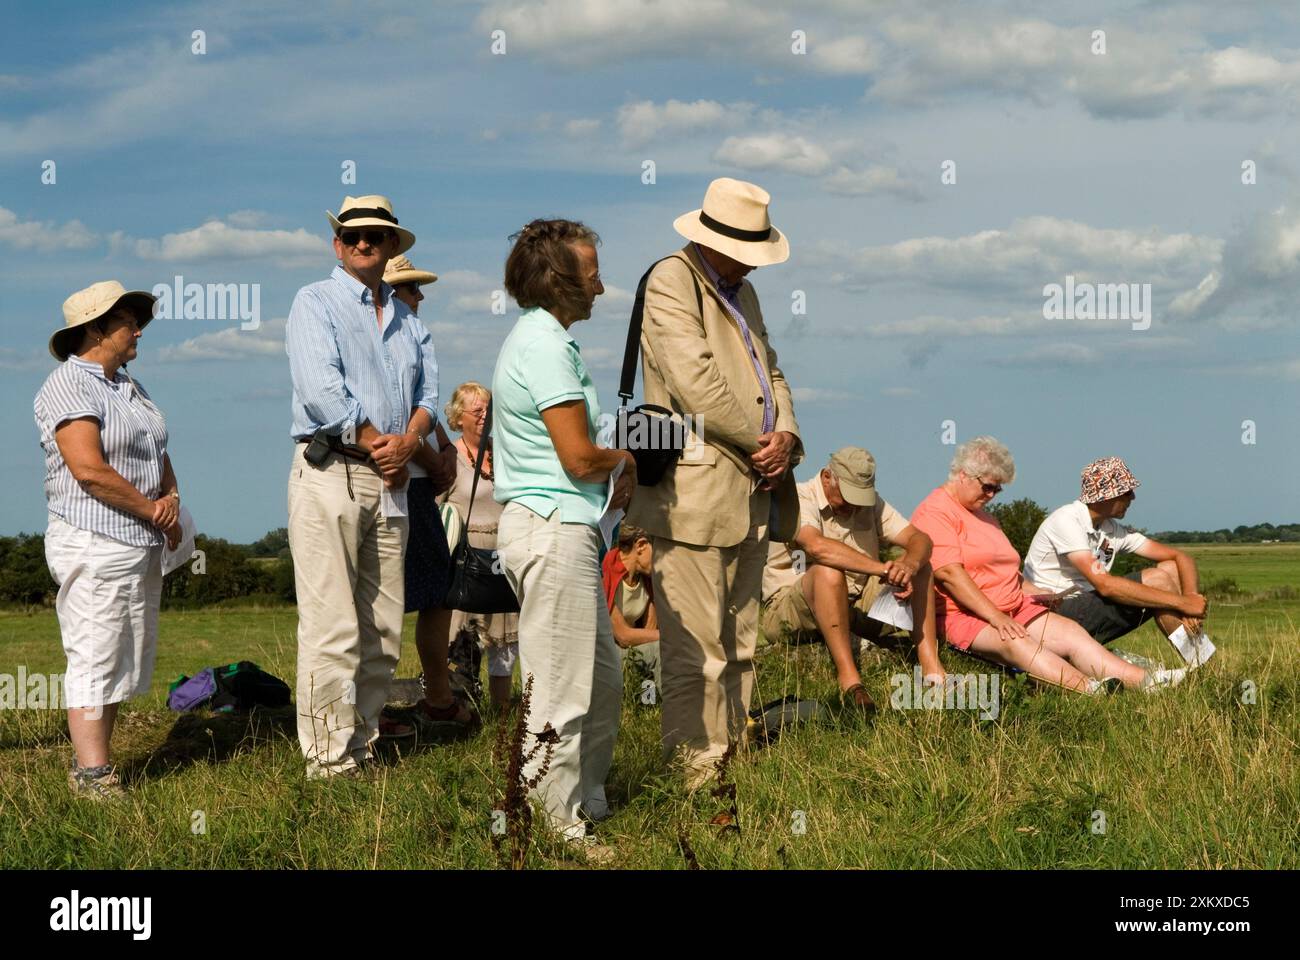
1067, 530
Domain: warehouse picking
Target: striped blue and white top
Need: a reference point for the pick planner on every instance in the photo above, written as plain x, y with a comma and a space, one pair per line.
345, 372
133, 435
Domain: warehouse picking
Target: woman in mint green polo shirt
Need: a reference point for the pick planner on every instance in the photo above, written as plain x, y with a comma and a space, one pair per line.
553, 480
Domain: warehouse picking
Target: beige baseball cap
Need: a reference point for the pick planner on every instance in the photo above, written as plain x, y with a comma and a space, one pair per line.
855, 469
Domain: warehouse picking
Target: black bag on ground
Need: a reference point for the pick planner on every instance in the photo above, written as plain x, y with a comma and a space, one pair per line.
655, 436
244, 685
476, 585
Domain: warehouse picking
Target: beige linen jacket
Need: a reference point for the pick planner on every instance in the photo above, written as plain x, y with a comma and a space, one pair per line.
699, 366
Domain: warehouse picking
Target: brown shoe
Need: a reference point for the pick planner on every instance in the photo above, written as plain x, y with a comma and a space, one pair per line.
96, 783
857, 698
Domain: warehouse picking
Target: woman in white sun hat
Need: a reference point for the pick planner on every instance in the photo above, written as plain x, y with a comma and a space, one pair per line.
112, 500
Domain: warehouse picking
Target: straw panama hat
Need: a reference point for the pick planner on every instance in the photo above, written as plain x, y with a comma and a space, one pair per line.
734, 222
401, 270
371, 211
91, 304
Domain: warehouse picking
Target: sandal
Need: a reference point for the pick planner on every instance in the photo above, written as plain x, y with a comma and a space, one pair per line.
393, 729
456, 715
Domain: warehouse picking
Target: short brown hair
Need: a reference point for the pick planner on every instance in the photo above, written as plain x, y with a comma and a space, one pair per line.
628, 535
542, 269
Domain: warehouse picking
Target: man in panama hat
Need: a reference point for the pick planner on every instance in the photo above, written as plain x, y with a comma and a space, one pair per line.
365, 396
710, 517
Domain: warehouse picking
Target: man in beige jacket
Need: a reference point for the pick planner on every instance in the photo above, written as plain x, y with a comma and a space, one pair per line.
711, 515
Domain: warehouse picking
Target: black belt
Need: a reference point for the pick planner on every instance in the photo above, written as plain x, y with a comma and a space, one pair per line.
337, 445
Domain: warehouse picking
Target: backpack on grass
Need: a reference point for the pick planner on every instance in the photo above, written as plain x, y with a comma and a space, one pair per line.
236, 686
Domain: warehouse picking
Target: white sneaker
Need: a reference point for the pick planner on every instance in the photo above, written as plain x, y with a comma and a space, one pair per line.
1160, 679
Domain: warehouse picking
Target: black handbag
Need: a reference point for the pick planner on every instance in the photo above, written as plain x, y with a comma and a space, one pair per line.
476, 587
654, 435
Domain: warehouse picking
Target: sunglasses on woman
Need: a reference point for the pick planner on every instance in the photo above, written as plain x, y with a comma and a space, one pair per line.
989, 489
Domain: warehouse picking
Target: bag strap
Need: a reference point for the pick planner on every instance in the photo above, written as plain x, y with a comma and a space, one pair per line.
632, 350
478, 464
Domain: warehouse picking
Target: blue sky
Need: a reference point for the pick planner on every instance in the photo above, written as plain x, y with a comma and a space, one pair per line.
924, 299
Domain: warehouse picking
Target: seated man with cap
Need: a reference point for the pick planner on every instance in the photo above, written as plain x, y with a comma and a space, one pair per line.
1072, 553
829, 577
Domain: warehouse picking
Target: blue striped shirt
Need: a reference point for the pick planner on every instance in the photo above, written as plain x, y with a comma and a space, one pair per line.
344, 371
132, 434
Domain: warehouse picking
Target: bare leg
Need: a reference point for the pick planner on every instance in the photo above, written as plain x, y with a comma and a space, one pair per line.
1066, 639
499, 689
432, 630
90, 729
926, 637
1164, 576
828, 596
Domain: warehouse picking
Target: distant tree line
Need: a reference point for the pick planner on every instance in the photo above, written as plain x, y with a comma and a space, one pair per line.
219, 571
1259, 533
262, 571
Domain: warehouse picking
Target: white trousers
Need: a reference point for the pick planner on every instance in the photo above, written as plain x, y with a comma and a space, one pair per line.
348, 570
567, 646
107, 605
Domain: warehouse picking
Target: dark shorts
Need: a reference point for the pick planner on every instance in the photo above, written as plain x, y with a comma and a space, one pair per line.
1105, 619
428, 561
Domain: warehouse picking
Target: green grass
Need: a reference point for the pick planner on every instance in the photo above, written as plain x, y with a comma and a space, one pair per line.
1192, 778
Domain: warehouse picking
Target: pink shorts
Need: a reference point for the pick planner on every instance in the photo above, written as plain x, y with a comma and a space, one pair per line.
960, 629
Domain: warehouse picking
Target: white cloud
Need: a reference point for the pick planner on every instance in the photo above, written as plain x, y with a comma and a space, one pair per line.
1052, 355
1259, 274
44, 236
1029, 253
641, 122
582, 126
216, 240
231, 343
816, 396
853, 54
796, 154
774, 151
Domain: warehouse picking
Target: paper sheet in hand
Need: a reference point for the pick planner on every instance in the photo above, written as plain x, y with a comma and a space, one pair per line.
1195, 650
887, 609
392, 503
175, 559
609, 519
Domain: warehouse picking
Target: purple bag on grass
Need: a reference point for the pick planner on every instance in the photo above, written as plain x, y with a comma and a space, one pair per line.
187, 693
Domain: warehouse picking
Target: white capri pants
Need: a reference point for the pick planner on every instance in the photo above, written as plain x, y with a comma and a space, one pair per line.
107, 604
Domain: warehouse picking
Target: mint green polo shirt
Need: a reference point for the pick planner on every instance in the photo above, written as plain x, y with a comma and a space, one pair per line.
539, 366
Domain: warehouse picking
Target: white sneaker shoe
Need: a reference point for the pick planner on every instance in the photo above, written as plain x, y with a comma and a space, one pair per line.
1161, 679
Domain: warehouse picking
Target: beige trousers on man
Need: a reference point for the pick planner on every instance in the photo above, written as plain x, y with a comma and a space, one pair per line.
566, 644
347, 565
706, 600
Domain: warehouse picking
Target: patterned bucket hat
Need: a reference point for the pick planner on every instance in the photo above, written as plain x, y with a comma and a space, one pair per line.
1106, 479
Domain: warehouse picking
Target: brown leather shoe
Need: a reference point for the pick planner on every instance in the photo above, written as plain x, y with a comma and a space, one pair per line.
857, 697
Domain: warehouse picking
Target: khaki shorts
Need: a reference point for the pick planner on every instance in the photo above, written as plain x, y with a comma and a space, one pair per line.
787, 616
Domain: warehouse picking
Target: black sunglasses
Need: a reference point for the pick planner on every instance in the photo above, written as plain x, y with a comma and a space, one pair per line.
376, 238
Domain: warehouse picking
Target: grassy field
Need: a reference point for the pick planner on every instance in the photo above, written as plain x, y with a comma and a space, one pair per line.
1194, 777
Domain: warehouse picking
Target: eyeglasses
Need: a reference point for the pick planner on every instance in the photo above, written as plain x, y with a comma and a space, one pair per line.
376, 238
989, 489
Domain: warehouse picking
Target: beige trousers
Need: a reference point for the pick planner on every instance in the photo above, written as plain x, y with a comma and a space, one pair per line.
347, 564
566, 644
707, 601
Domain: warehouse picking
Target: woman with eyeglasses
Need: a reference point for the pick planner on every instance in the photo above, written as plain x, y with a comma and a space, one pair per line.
983, 607
112, 501
498, 633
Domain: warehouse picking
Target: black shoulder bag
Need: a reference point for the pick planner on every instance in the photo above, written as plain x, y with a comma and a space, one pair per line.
654, 435
475, 586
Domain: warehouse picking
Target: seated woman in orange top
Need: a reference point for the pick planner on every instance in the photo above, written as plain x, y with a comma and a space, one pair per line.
982, 604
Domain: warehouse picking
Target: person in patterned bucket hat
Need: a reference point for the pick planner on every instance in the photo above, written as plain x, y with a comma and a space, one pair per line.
1074, 549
